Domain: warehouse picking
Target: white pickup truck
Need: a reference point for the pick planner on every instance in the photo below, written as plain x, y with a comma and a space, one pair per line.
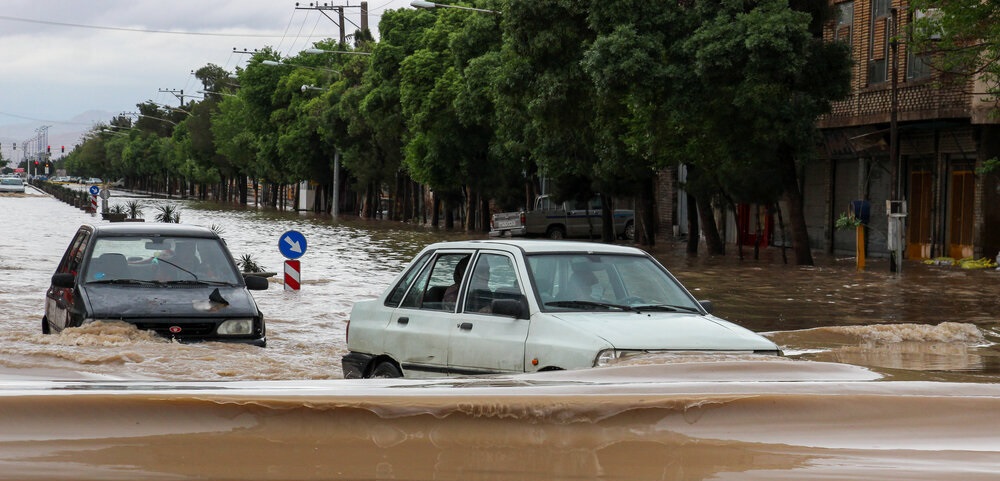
561, 220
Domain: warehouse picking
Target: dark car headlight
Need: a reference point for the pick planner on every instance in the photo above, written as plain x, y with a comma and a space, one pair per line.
235, 327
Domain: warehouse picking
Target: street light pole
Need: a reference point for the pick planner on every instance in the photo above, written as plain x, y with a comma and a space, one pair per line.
895, 208
423, 4
316, 51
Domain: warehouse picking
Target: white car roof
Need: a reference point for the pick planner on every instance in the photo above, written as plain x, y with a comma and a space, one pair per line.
533, 246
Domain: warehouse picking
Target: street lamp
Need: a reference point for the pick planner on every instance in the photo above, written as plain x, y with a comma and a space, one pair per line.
306, 87
137, 114
283, 64
422, 4
316, 51
208, 92
171, 108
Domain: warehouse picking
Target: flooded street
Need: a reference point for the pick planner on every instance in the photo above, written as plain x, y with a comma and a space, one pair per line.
885, 376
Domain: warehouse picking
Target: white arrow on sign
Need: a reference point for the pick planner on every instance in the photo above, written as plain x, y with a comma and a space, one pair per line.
293, 245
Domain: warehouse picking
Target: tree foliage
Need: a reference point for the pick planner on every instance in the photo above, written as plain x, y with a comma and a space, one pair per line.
583, 96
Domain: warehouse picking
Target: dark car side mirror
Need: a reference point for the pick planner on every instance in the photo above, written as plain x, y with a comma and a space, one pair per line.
706, 305
516, 308
64, 280
256, 283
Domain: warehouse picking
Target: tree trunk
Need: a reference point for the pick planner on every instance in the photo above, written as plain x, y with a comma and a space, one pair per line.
713, 242
796, 211
243, 189
694, 232
607, 220
436, 210
645, 222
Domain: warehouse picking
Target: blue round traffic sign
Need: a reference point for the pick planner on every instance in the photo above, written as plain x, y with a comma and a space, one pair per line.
292, 244
94, 190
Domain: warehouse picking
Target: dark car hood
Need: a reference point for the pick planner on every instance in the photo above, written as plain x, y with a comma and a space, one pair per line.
124, 302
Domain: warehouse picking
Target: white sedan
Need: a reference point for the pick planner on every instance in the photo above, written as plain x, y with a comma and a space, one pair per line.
511, 306
11, 184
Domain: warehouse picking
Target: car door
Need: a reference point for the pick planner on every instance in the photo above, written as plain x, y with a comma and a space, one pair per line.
417, 333
61, 303
584, 220
482, 342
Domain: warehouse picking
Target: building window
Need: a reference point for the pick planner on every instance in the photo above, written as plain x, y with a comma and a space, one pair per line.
878, 47
845, 23
918, 65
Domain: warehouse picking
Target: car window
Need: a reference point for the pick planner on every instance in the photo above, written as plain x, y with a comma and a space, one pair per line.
405, 282
161, 259
493, 277
74, 254
438, 286
561, 279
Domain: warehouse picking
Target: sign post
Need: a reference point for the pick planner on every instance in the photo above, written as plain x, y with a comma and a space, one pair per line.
94, 190
292, 245
105, 195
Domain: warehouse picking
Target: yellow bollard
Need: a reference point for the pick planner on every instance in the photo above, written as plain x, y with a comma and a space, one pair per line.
860, 243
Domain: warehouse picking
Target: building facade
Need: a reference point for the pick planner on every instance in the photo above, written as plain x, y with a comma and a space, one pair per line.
946, 128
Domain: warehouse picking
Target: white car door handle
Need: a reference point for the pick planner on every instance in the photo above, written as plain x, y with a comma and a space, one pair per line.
403, 320
465, 326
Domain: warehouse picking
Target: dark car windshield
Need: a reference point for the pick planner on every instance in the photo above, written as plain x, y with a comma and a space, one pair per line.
147, 259
612, 282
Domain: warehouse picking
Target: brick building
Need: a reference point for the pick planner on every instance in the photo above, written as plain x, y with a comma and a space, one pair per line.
946, 128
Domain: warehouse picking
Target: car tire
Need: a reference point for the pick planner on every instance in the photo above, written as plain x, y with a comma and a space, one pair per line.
556, 232
45, 326
386, 369
630, 230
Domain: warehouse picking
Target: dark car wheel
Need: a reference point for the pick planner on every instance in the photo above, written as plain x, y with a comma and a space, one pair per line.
386, 369
630, 231
556, 232
45, 326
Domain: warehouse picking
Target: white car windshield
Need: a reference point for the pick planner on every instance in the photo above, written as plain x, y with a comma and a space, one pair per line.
572, 282
160, 259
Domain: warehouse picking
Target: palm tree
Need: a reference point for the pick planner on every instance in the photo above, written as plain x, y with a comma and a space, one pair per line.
168, 214
134, 208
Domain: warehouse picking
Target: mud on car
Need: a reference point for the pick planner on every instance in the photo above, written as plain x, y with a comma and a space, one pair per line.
178, 281
514, 306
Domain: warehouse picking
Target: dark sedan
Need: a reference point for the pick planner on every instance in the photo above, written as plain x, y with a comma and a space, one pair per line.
177, 280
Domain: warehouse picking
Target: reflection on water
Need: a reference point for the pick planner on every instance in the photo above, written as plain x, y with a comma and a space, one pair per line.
887, 377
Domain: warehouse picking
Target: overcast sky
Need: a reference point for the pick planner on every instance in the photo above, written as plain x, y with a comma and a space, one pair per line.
64, 58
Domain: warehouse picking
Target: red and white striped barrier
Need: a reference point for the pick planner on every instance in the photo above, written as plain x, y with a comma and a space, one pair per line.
93, 203
292, 275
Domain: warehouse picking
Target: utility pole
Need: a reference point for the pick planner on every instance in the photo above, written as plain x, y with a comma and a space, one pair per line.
895, 208
343, 40
340, 21
177, 93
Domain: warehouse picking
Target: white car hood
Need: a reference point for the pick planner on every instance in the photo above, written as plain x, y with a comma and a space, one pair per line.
666, 331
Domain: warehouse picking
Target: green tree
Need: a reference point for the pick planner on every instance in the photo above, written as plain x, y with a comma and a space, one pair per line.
546, 104
372, 114
962, 35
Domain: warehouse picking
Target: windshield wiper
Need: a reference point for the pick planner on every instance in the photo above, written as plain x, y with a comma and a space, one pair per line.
665, 307
579, 303
198, 282
124, 281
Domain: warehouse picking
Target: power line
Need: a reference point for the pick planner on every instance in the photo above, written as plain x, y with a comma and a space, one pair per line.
137, 30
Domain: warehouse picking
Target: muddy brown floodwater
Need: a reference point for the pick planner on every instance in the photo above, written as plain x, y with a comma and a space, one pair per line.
885, 377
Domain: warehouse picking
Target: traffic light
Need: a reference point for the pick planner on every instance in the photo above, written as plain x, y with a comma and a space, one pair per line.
36, 162
48, 149
63, 149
